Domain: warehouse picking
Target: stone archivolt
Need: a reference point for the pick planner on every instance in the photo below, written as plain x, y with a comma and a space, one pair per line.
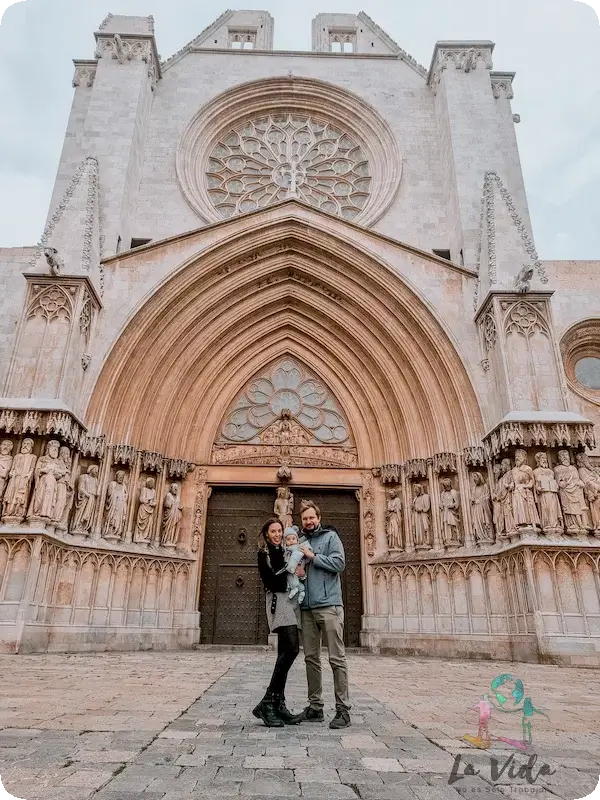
331, 116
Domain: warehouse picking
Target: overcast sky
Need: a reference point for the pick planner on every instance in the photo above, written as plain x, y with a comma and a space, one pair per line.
552, 45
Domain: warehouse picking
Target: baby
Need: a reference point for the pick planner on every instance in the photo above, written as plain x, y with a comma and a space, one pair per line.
294, 557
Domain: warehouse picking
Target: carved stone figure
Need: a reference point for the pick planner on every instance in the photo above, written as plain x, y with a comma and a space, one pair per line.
496, 502
54, 261
590, 478
172, 514
505, 491
523, 279
481, 510
64, 492
393, 521
284, 506
116, 508
285, 431
450, 516
48, 470
525, 513
145, 514
421, 507
16, 495
85, 505
6, 460
546, 489
570, 491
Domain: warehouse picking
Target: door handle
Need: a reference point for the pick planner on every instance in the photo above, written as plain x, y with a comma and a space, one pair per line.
239, 582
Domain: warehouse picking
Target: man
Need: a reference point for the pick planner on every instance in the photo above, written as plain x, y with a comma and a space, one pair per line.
323, 615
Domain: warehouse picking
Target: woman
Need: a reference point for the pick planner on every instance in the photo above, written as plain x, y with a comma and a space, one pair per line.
283, 616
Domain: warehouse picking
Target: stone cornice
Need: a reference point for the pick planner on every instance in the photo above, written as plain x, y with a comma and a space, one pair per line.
85, 72
465, 56
502, 84
65, 280
513, 297
539, 429
130, 47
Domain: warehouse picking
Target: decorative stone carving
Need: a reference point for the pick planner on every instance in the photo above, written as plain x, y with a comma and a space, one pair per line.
172, 515
489, 331
389, 473
284, 506
54, 261
145, 514
444, 462
590, 477
116, 508
271, 455
10, 421
16, 495
498, 511
50, 302
86, 360
178, 468
481, 510
84, 76
538, 434
64, 492
450, 514
525, 514
504, 494
32, 422
124, 454
6, 460
475, 456
546, 489
202, 493
393, 521
523, 279
368, 513
570, 491
421, 505
92, 446
299, 403
272, 158
416, 468
151, 462
284, 473
502, 85
85, 504
48, 470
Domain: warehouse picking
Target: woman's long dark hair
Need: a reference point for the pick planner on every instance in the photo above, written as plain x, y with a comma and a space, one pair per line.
262, 538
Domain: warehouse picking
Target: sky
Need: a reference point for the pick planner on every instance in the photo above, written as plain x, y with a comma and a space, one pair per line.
552, 45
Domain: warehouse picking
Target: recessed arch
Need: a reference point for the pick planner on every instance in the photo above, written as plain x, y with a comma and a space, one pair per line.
286, 288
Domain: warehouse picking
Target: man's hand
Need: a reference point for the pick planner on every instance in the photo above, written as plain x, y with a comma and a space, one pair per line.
307, 551
300, 572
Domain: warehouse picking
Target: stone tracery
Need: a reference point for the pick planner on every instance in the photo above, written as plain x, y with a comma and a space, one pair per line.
287, 155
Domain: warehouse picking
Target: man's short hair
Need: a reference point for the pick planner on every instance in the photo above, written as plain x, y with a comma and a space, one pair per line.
306, 504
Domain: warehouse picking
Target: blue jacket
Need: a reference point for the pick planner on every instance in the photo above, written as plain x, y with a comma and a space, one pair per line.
323, 585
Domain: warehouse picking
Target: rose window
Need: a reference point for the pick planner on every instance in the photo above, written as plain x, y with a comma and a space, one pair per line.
281, 156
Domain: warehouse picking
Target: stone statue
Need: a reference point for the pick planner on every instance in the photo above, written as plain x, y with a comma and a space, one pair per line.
481, 510
546, 489
64, 492
523, 279
50, 468
145, 514
525, 513
171, 517
6, 460
284, 507
450, 516
116, 508
53, 260
85, 505
506, 487
393, 521
590, 478
570, 491
16, 496
496, 502
421, 506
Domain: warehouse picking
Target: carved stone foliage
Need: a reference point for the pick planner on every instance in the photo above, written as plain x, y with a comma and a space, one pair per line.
272, 158
53, 423
489, 332
273, 455
202, 494
368, 513
549, 434
290, 401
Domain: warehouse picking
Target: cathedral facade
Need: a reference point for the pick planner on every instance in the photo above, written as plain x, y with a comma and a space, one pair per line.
268, 276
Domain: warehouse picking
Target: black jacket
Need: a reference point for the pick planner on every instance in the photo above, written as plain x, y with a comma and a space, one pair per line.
271, 581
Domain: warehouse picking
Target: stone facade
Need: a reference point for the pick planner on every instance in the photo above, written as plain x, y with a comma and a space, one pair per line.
309, 267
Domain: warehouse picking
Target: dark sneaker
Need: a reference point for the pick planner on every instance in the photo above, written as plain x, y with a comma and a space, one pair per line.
341, 719
311, 715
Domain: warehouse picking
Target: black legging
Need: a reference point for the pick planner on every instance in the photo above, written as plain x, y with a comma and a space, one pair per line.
288, 647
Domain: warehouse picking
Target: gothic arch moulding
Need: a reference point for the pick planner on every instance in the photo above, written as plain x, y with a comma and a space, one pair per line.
264, 141
286, 289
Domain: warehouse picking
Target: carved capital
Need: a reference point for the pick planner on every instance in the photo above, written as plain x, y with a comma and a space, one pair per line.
416, 468
389, 473
151, 462
124, 454
502, 84
475, 456
178, 468
444, 462
85, 73
92, 446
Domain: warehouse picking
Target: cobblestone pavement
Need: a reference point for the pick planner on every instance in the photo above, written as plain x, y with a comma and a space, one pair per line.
165, 726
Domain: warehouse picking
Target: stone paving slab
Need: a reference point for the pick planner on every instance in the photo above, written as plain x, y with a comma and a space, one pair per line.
177, 726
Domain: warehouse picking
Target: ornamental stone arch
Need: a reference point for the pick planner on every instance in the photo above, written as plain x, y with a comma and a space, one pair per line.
288, 288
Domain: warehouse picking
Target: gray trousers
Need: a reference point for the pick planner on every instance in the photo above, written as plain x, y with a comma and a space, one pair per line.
326, 623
